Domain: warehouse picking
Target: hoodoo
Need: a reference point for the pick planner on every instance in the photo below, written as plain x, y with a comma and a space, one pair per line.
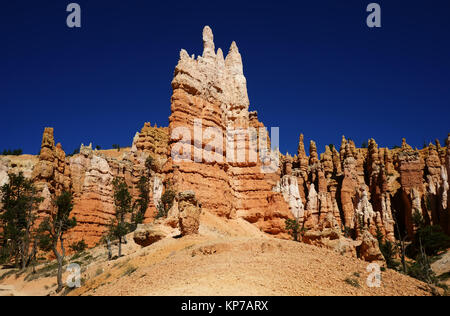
355, 190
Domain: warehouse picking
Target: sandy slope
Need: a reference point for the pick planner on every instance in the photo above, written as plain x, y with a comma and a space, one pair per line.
234, 258
229, 257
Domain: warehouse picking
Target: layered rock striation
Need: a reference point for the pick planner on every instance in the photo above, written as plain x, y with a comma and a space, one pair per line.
216, 148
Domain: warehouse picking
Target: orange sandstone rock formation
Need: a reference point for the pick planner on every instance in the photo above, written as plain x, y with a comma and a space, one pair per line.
211, 89
343, 191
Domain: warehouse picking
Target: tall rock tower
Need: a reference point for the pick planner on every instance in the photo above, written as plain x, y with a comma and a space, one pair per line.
209, 99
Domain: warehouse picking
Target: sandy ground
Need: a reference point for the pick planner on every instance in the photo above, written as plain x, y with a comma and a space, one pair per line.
227, 258
244, 266
17, 286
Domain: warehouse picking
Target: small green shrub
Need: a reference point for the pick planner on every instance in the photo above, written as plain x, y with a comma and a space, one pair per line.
166, 203
78, 247
116, 146
445, 276
9, 273
150, 164
352, 282
431, 238
388, 250
347, 232
14, 152
294, 229
421, 270
130, 270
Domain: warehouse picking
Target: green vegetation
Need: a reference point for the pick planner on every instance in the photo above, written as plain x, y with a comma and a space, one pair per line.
118, 228
421, 269
14, 152
9, 273
141, 204
353, 282
150, 165
51, 231
19, 201
347, 232
361, 224
48, 270
116, 146
79, 255
445, 276
166, 203
431, 238
294, 229
428, 241
388, 250
129, 270
78, 247
122, 224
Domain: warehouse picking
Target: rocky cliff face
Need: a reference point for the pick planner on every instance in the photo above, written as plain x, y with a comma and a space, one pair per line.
210, 103
214, 147
89, 176
372, 188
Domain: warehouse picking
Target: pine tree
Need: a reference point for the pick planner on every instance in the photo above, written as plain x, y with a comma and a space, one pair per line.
141, 204
118, 228
19, 201
53, 228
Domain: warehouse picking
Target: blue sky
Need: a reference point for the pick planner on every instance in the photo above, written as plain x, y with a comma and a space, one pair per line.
312, 67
